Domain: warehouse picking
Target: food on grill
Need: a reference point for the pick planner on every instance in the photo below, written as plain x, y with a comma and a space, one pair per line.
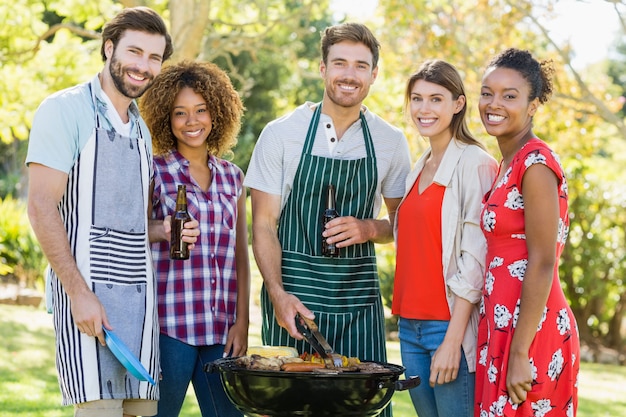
346, 362
263, 363
306, 362
302, 366
273, 351
372, 368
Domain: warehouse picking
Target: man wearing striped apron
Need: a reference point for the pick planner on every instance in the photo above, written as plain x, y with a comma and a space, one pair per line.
338, 142
90, 163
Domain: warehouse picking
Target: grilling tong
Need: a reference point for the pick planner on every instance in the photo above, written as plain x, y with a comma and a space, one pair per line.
311, 333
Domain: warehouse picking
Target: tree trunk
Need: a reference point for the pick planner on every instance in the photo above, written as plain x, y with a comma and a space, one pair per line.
188, 20
614, 336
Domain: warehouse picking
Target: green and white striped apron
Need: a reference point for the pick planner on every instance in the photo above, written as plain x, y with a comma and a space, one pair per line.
342, 292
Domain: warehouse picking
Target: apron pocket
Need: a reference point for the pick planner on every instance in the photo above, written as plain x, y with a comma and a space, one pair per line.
117, 257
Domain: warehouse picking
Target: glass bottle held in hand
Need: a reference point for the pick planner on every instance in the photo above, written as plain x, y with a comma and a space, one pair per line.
330, 212
178, 248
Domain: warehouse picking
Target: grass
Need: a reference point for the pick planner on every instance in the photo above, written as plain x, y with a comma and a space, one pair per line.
29, 388
28, 383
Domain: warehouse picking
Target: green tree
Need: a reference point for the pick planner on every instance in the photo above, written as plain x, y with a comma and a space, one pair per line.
271, 86
55, 44
49, 45
582, 123
617, 71
39, 55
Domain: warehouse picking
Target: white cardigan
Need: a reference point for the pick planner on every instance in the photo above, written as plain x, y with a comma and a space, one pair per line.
467, 172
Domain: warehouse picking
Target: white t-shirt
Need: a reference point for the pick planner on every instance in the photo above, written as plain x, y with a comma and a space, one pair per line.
276, 156
114, 117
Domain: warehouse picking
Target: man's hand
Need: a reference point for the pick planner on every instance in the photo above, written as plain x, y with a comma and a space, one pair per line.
348, 230
89, 315
286, 307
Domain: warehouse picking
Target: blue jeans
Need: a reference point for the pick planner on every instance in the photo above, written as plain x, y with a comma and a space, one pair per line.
182, 363
419, 339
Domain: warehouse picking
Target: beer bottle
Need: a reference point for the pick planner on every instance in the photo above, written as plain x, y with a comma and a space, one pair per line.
329, 213
178, 248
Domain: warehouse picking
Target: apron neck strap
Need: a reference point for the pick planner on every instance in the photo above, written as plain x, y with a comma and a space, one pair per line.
97, 112
94, 101
311, 132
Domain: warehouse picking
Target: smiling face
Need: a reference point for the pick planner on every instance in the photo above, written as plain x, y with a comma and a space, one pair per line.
504, 107
190, 120
348, 74
134, 62
432, 107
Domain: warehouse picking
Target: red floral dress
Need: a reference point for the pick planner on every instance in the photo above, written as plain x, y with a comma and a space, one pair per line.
554, 353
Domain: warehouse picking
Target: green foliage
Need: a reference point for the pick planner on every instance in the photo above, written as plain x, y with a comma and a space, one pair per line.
40, 58
617, 71
20, 252
260, 77
593, 267
12, 168
48, 63
386, 262
275, 74
578, 123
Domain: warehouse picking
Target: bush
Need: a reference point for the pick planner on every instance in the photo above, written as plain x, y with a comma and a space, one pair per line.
22, 260
386, 261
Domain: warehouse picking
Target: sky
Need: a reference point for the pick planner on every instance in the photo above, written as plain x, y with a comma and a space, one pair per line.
590, 26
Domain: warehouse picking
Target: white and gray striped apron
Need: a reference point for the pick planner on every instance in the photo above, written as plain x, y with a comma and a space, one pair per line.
342, 292
104, 210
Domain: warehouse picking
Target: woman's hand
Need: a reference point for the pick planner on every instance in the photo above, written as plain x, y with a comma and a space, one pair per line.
444, 366
237, 340
519, 378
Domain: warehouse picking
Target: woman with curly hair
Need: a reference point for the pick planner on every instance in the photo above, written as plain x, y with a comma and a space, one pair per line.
194, 115
528, 342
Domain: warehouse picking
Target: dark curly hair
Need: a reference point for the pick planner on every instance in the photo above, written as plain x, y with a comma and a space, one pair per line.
537, 74
206, 79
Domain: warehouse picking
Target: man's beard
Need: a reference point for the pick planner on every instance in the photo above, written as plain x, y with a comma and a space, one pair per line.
335, 95
118, 76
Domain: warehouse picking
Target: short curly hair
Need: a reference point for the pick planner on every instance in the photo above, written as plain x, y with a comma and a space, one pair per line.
537, 74
213, 84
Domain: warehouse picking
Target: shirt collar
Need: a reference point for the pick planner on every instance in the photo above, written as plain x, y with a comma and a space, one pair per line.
449, 162
175, 157
102, 105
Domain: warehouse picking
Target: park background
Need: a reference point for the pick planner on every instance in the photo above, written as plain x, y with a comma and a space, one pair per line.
270, 49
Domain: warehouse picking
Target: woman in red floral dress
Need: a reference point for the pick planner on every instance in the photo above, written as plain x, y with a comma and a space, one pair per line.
528, 344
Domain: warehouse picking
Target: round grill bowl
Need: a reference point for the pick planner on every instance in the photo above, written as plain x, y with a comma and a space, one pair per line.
276, 393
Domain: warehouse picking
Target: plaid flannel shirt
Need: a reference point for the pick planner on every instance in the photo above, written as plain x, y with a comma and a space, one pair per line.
197, 297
